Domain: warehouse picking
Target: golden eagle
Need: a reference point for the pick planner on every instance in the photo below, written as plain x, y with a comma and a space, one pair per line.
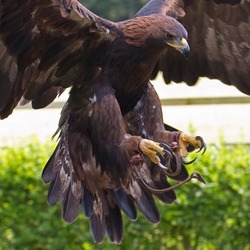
113, 151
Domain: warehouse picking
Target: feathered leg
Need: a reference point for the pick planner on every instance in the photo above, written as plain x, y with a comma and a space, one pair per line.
119, 153
146, 119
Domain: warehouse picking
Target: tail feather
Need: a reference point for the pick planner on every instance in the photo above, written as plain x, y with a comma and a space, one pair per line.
98, 228
106, 218
159, 181
114, 225
147, 205
182, 175
168, 197
87, 203
125, 203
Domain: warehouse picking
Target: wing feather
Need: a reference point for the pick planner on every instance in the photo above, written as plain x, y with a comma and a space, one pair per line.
55, 191
219, 35
172, 8
71, 201
39, 41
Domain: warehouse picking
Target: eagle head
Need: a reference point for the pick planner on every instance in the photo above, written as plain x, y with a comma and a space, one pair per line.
155, 31
173, 34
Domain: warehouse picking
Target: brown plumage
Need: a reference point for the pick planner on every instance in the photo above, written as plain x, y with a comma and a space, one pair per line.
113, 151
218, 35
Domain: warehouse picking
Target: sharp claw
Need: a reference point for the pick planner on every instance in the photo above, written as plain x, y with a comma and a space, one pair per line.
203, 145
204, 148
167, 149
162, 162
187, 162
157, 152
162, 166
160, 156
198, 176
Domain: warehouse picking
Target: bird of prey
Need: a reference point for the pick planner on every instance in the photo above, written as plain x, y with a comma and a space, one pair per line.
114, 153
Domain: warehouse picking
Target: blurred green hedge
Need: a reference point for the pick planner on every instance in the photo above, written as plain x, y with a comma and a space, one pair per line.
204, 217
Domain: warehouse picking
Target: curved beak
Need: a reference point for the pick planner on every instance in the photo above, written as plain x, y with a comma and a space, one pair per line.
182, 47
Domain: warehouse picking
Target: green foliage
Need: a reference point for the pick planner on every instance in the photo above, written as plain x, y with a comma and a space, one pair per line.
113, 9
207, 217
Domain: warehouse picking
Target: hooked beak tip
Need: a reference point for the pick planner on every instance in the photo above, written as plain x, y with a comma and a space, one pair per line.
182, 47
186, 51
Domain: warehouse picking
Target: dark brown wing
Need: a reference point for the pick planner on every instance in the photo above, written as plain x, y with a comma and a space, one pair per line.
172, 8
43, 47
219, 37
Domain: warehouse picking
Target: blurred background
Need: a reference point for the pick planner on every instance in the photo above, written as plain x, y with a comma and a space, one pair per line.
204, 217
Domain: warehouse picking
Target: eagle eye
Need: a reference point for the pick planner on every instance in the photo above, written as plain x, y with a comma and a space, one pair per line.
169, 36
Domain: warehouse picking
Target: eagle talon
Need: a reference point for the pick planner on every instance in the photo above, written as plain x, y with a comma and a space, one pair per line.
188, 162
163, 167
167, 149
162, 164
156, 151
203, 145
187, 142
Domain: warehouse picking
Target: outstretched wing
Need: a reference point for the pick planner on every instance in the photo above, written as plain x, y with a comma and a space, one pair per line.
44, 46
219, 37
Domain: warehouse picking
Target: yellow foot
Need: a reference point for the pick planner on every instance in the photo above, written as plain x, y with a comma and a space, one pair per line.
189, 143
155, 151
